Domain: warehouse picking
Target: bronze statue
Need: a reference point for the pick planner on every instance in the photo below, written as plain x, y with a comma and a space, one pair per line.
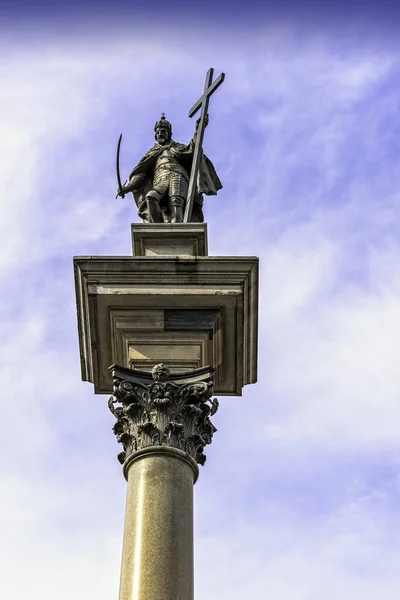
169, 181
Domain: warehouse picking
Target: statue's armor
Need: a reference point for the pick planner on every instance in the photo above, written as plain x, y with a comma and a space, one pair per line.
169, 176
167, 160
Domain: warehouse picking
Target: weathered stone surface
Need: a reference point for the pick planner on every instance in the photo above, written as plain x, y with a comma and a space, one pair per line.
160, 409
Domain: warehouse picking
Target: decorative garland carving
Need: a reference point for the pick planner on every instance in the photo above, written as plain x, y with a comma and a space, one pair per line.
163, 411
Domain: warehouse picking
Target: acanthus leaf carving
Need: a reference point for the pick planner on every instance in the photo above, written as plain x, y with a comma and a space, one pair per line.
167, 410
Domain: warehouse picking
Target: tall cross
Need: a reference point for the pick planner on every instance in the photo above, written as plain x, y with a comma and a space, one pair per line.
202, 103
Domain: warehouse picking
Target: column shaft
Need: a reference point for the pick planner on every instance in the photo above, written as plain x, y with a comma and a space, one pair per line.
157, 555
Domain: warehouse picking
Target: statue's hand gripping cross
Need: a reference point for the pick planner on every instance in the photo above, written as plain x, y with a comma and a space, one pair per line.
202, 103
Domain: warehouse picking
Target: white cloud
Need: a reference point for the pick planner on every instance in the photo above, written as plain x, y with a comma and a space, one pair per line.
333, 352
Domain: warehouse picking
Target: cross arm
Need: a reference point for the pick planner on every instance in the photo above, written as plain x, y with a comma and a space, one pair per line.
212, 89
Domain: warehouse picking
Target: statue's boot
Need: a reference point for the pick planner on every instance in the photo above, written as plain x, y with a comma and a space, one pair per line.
154, 210
176, 210
166, 215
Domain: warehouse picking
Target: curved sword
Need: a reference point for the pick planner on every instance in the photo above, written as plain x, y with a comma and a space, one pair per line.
120, 186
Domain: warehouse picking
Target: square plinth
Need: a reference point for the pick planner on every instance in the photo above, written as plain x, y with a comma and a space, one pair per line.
169, 239
188, 312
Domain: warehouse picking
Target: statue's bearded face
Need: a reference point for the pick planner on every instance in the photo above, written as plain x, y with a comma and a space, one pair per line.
162, 135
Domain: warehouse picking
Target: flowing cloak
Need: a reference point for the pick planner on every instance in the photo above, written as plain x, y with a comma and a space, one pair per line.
207, 181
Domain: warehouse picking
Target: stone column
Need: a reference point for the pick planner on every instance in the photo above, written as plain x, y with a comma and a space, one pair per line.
163, 425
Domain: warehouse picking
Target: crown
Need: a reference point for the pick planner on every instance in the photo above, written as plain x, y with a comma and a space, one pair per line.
163, 123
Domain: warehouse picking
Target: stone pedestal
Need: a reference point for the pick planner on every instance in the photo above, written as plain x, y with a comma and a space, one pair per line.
177, 326
174, 239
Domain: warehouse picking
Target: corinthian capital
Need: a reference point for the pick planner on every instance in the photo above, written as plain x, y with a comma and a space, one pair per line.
160, 409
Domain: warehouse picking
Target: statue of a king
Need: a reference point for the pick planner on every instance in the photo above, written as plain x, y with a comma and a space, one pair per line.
159, 182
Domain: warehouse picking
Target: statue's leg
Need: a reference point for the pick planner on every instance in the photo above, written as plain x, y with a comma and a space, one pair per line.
153, 207
178, 188
153, 202
177, 204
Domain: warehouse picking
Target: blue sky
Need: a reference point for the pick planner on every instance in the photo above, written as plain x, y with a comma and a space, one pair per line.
299, 495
